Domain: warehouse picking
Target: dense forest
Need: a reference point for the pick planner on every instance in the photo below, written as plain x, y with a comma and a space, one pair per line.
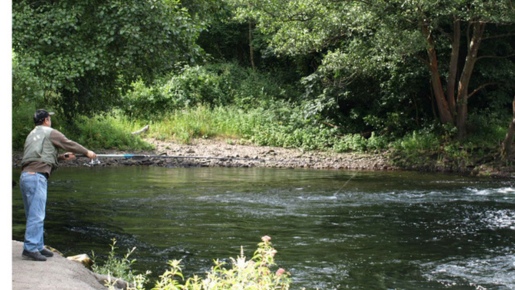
426, 80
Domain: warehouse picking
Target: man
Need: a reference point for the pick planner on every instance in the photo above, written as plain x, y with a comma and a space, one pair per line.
40, 159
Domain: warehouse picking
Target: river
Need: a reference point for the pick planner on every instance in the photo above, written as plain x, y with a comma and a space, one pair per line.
332, 229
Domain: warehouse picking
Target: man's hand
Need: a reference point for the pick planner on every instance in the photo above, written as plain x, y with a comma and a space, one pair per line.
69, 156
91, 154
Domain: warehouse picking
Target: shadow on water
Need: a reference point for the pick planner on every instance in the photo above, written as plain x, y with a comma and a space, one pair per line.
332, 229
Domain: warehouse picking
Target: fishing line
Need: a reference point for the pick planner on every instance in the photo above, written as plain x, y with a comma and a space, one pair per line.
338, 191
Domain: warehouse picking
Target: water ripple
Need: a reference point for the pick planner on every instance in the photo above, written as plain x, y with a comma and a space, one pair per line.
491, 272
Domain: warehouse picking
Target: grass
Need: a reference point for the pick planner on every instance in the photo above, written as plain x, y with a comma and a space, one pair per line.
198, 122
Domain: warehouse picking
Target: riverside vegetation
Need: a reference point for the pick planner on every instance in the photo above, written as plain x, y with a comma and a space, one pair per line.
258, 272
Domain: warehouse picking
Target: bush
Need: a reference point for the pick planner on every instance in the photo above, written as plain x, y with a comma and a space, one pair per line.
211, 85
423, 140
22, 124
27, 88
108, 132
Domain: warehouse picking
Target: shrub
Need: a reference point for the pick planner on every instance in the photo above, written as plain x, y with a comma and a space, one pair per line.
212, 85
22, 124
108, 132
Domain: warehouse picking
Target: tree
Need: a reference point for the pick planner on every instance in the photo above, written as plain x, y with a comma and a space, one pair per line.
508, 139
470, 19
89, 51
362, 39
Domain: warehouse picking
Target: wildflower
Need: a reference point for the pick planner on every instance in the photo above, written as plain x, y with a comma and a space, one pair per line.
273, 252
280, 271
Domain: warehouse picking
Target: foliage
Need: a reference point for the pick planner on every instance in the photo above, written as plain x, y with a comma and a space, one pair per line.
488, 128
22, 124
108, 132
88, 52
27, 87
117, 268
285, 124
280, 123
255, 273
419, 141
379, 56
199, 122
210, 85
435, 148
259, 273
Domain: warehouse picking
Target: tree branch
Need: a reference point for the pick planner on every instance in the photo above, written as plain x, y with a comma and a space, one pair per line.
144, 129
499, 36
496, 56
480, 88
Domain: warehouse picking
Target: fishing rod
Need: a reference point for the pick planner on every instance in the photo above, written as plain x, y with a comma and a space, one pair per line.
163, 155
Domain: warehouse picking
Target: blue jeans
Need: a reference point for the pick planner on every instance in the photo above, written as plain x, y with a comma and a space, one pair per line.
34, 192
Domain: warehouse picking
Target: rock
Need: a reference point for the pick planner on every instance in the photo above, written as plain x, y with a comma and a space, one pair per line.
84, 259
109, 280
57, 273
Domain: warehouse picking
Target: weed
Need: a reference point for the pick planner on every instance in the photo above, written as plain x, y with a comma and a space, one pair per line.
117, 268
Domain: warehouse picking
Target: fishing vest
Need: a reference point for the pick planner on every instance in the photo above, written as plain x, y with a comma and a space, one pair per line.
38, 147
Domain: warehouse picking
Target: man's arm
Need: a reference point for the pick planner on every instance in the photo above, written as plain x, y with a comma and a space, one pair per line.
59, 140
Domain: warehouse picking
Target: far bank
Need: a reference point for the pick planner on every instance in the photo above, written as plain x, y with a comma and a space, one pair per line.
228, 154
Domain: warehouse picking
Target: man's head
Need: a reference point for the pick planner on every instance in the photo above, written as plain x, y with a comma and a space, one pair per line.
41, 116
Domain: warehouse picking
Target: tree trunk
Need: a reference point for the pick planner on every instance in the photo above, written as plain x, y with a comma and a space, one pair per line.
441, 101
508, 140
453, 66
462, 98
250, 46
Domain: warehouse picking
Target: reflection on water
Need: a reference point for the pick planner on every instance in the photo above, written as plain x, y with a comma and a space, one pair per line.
332, 229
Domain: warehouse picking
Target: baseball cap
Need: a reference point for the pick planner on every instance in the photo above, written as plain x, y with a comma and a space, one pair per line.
40, 115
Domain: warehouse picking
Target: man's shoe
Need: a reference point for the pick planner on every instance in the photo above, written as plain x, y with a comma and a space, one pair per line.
46, 253
36, 256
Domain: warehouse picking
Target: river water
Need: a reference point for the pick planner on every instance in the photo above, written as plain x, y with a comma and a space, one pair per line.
332, 229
